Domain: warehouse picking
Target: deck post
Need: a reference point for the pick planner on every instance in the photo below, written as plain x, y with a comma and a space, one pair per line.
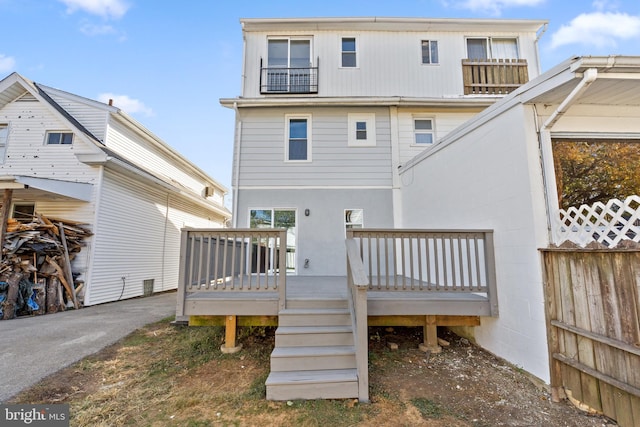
430, 335
182, 275
229, 345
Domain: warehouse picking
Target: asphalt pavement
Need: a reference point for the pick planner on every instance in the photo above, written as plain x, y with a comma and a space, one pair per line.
32, 348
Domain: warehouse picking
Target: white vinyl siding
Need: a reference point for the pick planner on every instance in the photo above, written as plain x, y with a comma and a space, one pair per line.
137, 235
4, 138
150, 158
388, 62
92, 118
334, 162
27, 154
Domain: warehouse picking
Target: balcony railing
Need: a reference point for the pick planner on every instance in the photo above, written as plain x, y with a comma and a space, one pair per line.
288, 80
493, 76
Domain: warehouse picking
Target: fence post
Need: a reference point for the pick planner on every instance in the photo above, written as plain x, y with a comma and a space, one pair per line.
490, 267
182, 269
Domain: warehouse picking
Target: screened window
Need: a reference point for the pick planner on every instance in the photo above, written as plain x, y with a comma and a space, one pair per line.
423, 131
298, 142
64, 138
429, 52
353, 218
348, 52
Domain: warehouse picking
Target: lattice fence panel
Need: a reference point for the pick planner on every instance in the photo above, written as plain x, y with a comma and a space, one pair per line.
608, 223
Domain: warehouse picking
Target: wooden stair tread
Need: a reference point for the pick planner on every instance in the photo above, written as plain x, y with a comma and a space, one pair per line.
334, 350
312, 377
338, 329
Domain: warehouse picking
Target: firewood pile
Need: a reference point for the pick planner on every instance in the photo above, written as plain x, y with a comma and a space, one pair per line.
35, 269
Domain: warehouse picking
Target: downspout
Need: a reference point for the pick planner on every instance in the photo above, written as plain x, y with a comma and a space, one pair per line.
535, 42
236, 169
546, 149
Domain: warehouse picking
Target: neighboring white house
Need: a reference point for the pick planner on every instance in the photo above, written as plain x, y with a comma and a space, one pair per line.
74, 158
331, 107
497, 172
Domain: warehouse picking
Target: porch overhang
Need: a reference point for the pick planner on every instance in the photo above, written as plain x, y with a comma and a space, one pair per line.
29, 187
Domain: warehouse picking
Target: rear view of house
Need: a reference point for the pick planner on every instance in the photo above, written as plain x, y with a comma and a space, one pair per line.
69, 157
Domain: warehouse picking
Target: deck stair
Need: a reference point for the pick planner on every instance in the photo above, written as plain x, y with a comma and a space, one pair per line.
314, 354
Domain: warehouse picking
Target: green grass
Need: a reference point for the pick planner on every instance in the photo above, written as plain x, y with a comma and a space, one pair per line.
428, 408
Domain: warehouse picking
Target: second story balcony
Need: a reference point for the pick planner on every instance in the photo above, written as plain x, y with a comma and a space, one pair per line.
282, 80
493, 76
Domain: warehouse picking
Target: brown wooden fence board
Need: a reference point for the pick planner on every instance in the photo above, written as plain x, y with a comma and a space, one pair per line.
593, 321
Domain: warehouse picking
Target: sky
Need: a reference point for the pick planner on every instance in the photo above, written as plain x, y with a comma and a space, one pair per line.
167, 63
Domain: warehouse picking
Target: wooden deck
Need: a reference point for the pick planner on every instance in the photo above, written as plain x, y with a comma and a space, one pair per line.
301, 289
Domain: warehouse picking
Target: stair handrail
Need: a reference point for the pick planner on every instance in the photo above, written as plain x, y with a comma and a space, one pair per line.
358, 283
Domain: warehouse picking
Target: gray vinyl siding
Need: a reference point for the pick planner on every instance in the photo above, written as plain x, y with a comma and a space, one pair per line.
389, 63
137, 236
27, 154
320, 236
334, 163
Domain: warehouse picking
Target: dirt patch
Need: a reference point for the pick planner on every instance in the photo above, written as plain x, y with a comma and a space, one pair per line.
168, 376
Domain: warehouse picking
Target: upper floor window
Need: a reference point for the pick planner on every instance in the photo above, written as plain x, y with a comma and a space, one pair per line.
59, 138
298, 141
423, 131
362, 129
349, 52
289, 68
492, 48
429, 52
4, 136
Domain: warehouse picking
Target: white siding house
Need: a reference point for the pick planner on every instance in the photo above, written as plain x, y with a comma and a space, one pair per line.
489, 174
107, 171
331, 107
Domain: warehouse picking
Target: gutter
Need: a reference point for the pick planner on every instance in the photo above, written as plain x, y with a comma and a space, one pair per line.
546, 150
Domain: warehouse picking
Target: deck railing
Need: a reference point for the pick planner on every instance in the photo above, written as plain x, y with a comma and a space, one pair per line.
288, 80
493, 76
357, 295
232, 260
429, 261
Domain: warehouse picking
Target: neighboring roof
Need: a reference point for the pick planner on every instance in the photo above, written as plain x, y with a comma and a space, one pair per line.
15, 86
392, 24
617, 83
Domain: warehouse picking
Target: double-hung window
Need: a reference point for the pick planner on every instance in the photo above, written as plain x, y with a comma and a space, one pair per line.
423, 130
492, 48
298, 138
349, 59
362, 130
64, 138
429, 52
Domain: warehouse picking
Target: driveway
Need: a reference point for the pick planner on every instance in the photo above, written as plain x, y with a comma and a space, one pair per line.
32, 348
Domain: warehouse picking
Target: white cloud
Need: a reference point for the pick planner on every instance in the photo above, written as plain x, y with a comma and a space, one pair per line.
494, 7
597, 29
7, 63
96, 30
105, 8
130, 105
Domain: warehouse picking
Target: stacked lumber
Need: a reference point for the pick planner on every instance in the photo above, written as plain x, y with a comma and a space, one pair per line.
35, 268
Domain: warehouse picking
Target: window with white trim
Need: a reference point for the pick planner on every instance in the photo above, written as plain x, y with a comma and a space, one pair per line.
298, 138
353, 218
4, 136
349, 59
429, 52
362, 129
492, 48
59, 138
423, 130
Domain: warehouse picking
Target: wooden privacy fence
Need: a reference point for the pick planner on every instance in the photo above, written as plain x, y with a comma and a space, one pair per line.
593, 313
493, 76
